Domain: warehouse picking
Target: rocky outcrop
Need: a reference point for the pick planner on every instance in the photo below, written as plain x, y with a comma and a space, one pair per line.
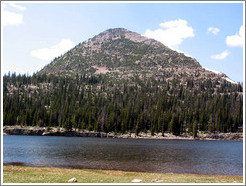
222, 136
37, 131
23, 132
43, 132
76, 134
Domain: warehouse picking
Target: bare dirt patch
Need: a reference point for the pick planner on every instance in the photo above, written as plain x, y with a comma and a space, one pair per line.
100, 70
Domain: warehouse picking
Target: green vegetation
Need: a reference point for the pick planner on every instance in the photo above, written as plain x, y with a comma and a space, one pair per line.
19, 174
104, 104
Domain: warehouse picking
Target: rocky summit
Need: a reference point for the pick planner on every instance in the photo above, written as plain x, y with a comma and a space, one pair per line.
122, 54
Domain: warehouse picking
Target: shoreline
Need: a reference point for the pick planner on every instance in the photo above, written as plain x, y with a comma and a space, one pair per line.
54, 131
26, 174
20, 164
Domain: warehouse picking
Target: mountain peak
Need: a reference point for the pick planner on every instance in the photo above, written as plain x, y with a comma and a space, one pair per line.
117, 30
120, 33
121, 53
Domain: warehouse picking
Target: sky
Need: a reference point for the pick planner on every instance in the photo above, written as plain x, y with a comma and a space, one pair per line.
35, 33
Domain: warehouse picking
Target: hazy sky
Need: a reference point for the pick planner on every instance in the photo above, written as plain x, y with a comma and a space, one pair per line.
35, 33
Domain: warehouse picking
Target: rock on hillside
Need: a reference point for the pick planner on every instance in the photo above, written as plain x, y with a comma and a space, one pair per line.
121, 53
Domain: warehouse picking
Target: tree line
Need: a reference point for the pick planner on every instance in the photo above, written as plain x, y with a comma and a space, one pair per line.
101, 104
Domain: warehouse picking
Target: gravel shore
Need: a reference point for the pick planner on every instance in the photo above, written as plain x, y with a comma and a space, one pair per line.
44, 131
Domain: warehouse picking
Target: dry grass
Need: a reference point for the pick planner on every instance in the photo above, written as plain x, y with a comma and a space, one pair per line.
21, 174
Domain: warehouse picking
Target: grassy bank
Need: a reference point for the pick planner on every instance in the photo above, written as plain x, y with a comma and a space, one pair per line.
21, 174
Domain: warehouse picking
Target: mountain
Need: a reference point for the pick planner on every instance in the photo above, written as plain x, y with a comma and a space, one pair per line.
122, 53
123, 82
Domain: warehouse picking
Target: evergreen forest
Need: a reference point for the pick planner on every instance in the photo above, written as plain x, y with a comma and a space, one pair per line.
100, 103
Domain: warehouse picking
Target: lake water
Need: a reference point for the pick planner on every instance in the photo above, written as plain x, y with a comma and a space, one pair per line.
163, 156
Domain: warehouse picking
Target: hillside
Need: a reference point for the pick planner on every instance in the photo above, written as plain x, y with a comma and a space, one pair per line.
123, 82
123, 54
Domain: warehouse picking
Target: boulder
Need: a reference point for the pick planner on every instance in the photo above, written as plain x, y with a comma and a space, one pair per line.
136, 180
72, 180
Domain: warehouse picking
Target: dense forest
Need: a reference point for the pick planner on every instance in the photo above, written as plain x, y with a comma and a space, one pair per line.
94, 102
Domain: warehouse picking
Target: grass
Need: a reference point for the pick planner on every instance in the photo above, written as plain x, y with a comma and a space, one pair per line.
22, 174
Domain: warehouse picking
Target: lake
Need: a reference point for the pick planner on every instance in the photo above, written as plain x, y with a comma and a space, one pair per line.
147, 155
